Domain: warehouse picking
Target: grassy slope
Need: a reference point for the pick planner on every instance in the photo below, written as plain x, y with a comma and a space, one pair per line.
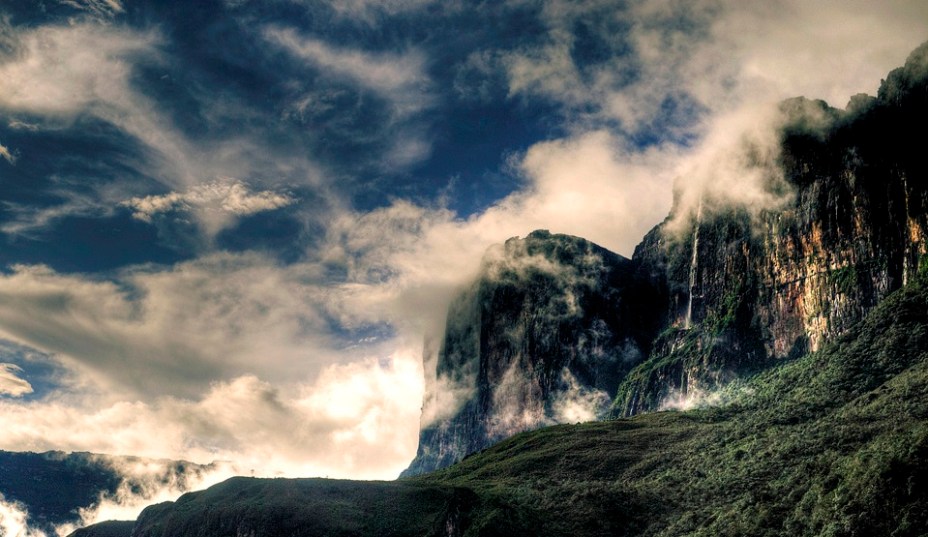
834, 443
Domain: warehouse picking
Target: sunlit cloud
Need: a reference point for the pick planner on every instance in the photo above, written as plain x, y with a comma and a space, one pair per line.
215, 204
356, 420
11, 381
7, 155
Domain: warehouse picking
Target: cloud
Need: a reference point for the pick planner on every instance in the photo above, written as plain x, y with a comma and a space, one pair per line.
577, 403
106, 8
180, 328
31, 220
58, 76
215, 203
665, 51
66, 70
356, 420
7, 155
238, 356
11, 383
14, 520
399, 78
369, 10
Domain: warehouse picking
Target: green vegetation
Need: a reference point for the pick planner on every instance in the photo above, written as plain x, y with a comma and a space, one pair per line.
844, 279
830, 444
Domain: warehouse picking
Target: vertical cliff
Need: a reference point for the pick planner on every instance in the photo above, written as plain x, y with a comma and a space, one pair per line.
555, 326
749, 288
545, 335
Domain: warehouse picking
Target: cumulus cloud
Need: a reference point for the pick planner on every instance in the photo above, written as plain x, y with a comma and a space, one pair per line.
66, 70
718, 54
181, 328
11, 383
355, 420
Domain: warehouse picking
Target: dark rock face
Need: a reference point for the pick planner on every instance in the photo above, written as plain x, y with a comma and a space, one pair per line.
711, 294
545, 335
746, 290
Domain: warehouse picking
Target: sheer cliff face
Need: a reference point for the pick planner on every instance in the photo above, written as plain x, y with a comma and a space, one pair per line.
545, 335
717, 291
745, 290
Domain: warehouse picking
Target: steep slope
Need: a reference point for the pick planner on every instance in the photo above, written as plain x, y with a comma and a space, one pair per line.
545, 335
832, 443
746, 288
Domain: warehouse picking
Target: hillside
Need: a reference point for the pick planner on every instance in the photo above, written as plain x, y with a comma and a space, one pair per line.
831, 443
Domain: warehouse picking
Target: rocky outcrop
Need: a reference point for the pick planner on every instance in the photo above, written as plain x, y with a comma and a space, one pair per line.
748, 288
545, 335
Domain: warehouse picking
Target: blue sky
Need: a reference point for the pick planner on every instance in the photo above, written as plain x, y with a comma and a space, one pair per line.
232, 226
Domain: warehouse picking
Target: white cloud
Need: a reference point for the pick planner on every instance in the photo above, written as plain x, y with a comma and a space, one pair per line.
400, 78
6, 154
11, 383
14, 520
215, 203
61, 73
71, 69
357, 420
722, 54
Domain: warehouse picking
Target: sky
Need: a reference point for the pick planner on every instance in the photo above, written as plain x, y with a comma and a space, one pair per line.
228, 228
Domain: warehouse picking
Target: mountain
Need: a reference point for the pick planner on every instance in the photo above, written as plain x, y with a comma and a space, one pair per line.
555, 327
52, 487
831, 443
544, 335
745, 289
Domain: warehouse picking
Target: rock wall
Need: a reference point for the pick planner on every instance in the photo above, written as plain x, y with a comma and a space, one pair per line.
746, 289
545, 335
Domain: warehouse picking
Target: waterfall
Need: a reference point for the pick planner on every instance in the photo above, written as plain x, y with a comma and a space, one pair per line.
907, 250
694, 268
